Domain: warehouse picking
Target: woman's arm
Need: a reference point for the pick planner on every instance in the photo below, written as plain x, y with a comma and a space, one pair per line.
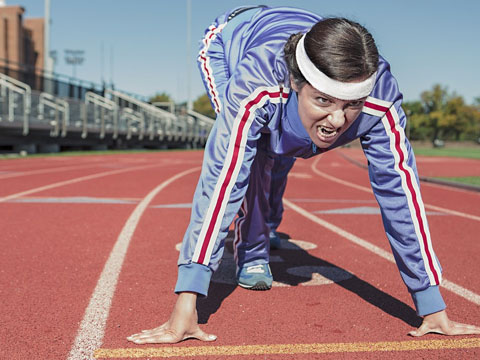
182, 325
439, 323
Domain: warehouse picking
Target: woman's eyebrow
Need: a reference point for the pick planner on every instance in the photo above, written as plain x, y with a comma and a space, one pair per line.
319, 93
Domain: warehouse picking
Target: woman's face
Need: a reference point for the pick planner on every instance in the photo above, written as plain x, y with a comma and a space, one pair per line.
324, 117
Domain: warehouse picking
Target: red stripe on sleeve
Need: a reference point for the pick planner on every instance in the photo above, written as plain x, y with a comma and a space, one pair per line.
375, 106
414, 195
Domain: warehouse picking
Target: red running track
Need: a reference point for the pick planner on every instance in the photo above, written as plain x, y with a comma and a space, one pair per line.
62, 218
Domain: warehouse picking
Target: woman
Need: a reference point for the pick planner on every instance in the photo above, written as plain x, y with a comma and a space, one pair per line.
286, 83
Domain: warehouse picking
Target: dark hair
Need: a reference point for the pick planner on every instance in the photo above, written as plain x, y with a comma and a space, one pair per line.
342, 49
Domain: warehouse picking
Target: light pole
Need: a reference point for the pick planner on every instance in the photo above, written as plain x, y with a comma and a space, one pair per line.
48, 59
189, 31
74, 58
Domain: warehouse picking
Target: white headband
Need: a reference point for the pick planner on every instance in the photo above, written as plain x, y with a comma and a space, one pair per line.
321, 82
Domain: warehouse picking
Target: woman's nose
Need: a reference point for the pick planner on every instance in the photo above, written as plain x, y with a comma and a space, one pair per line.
336, 118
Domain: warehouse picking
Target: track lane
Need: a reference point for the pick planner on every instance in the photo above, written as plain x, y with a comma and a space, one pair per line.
56, 249
336, 313
437, 197
144, 294
49, 261
148, 292
441, 230
91, 331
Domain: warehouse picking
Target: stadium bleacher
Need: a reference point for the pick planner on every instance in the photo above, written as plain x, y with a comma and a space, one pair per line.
36, 121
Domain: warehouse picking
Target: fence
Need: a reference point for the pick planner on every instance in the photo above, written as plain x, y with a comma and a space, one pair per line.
109, 118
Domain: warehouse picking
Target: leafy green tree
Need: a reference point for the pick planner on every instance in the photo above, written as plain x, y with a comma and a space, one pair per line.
161, 97
417, 121
440, 115
434, 102
472, 114
456, 119
203, 106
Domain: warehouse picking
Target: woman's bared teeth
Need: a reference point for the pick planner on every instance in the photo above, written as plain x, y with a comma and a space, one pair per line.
325, 131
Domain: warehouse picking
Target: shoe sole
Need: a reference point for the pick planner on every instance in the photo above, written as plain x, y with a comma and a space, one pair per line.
259, 286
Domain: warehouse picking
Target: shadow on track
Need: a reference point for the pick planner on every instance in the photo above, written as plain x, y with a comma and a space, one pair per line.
297, 267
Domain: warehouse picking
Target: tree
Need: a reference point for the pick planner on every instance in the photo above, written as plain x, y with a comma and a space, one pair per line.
417, 121
440, 115
456, 119
161, 97
472, 115
203, 106
434, 103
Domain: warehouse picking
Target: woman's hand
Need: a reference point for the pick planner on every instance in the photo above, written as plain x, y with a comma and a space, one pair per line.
439, 323
183, 324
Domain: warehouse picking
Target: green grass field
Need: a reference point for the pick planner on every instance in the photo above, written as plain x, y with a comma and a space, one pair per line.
465, 152
469, 180
470, 151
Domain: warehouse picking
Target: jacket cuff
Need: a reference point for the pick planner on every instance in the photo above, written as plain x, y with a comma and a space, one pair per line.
428, 301
193, 277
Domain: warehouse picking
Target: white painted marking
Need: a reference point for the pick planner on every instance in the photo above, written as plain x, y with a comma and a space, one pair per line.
73, 181
453, 212
174, 206
300, 175
353, 238
348, 201
92, 328
362, 210
292, 244
46, 171
456, 289
74, 200
369, 190
320, 275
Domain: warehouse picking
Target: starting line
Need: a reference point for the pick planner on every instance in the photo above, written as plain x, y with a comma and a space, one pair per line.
286, 349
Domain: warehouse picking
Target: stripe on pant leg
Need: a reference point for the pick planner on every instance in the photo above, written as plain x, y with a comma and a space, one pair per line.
231, 168
238, 229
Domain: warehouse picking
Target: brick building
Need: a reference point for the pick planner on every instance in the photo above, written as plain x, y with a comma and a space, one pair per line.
21, 40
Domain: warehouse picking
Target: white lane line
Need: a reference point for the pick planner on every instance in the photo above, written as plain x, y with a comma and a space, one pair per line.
456, 289
93, 164
465, 293
353, 238
453, 212
73, 181
369, 190
46, 171
92, 328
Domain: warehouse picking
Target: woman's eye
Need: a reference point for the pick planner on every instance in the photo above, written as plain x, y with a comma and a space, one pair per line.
323, 100
356, 103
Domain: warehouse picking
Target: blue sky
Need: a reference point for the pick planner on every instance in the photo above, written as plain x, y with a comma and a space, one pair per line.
425, 41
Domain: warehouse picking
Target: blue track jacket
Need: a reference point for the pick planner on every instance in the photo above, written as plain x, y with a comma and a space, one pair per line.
255, 102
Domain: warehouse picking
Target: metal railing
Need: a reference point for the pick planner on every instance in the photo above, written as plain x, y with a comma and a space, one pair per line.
9, 89
103, 110
117, 114
203, 125
60, 110
135, 122
159, 122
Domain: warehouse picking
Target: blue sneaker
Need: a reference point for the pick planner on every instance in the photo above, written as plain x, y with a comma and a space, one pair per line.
255, 277
274, 240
